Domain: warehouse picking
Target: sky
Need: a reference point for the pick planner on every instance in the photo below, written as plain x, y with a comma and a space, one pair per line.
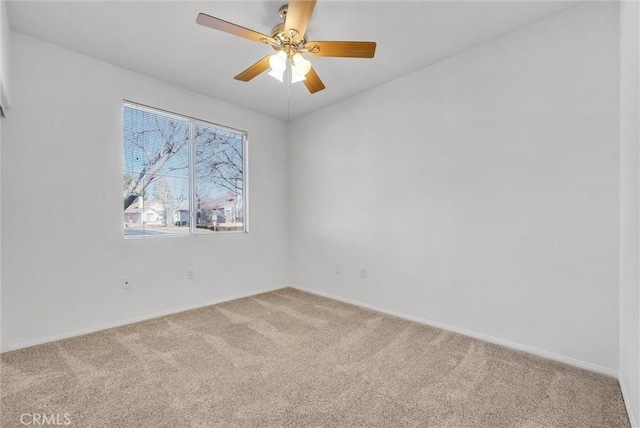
145, 134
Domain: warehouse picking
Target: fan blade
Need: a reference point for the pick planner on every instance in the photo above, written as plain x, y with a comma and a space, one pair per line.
313, 82
342, 49
254, 70
298, 16
236, 30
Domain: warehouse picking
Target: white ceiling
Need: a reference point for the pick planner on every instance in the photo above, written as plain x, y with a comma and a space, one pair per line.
162, 40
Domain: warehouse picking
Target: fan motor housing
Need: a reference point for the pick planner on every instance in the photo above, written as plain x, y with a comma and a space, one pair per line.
278, 33
277, 29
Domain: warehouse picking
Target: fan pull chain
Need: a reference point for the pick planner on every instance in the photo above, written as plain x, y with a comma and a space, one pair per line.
289, 93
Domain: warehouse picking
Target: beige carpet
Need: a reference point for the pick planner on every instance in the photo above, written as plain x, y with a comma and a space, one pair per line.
293, 359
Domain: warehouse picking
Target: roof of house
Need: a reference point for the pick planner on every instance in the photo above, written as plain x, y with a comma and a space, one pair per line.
142, 206
213, 204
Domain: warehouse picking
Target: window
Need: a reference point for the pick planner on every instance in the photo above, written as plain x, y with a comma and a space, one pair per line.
181, 175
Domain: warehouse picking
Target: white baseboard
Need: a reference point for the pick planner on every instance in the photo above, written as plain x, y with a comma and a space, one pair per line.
498, 341
42, 340
625, 396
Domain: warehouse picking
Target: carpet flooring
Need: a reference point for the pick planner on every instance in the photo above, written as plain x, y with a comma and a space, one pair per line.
293, 359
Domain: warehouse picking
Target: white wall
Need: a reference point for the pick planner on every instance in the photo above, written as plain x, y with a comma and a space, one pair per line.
480, 193
630, 207
4, 55
63, 248
4, 87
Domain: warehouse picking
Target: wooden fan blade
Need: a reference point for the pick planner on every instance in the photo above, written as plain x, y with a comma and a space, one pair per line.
254, 70
298, 16
236, 30
342, 49
313, 82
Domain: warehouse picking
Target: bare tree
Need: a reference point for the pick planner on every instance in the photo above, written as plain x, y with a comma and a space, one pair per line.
152, 148
170, 201
219, 159
168, 138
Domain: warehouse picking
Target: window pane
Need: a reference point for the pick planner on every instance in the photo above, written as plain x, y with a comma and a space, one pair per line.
163, 208
219, 180
154, 145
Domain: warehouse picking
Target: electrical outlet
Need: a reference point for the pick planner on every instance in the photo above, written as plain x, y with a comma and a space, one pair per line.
126, 283
338, 269
363, 273
191, 274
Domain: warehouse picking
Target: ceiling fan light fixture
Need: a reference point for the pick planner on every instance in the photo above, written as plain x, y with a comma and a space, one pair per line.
278, 62
301, 65
279, 76
295, 77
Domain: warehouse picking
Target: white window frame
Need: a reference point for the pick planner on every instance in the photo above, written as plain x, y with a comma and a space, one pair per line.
192, 171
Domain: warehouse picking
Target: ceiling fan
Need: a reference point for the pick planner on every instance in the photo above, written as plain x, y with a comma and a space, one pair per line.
289, 39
